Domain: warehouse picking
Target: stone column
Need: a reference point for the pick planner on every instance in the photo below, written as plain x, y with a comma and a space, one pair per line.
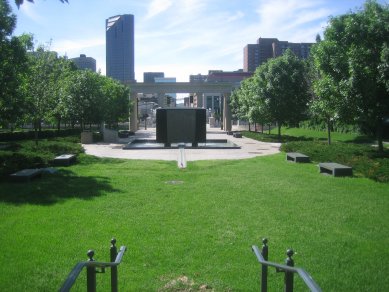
134, 112
161, 100
227, 113
200, 103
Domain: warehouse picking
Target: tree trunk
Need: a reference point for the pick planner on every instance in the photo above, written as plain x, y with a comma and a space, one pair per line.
329, 131
269, 129
249, 127
59, 125
36, 131
279, 131
262, 128
379, 133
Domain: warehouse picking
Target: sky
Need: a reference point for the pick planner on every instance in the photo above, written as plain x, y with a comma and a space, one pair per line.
178, 37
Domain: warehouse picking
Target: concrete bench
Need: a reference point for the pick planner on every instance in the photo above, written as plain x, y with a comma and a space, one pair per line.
26, 174
237, 135
297, 157
335, 169
64, 160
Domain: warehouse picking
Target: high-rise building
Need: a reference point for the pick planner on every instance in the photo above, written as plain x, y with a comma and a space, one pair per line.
149, 77
84, 62
120, 47
256, 54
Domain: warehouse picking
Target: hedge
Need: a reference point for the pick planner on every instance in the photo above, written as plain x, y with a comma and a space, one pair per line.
30, 135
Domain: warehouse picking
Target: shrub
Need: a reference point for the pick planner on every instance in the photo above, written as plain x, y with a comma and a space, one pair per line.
13, 161
30, 135
363, 158
27, 154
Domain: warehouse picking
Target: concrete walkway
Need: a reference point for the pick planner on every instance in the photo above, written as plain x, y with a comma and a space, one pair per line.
249, 148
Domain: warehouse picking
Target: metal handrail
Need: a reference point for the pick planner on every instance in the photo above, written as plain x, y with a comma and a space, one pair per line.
308, 280
73, 275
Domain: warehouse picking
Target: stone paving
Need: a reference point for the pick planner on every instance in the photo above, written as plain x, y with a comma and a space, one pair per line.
249, 148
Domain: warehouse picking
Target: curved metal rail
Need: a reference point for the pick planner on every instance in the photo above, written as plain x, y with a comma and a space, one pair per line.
308, 280
73, 275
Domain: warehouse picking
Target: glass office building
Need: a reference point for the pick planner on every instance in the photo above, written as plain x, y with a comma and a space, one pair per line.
120, 47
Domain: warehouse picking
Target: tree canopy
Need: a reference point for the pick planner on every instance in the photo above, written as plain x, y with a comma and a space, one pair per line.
277, 92
13, 65
353, 63
39, 86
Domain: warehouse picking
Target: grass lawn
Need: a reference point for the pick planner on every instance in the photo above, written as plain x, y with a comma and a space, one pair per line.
202, 229
301, 134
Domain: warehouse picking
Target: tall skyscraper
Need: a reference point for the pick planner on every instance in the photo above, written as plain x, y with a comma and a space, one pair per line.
120, 47
256, 54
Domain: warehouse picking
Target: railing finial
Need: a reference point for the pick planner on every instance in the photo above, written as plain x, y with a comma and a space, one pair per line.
113, 241
90, 255
264, 241
289, 261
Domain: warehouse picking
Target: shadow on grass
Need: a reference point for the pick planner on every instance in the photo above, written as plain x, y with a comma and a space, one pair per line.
54, 188
361, 140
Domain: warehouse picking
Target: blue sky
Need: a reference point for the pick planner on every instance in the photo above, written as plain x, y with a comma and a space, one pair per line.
178, 37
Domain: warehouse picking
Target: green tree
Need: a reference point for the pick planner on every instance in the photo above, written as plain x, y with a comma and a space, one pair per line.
325, 96
13, 64
283, 89
82, 91
61, 69
116, 98
353, 60
39, 86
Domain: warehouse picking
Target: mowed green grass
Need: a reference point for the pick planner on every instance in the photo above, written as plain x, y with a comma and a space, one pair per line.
202, 228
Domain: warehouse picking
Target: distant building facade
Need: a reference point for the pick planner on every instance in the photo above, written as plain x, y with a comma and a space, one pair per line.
214, 102
197, 78
228, 76
120, 48
84, 62
169, 99
149, 77
255, 55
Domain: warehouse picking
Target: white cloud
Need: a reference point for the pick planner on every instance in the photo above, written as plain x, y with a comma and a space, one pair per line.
157, 6
29, 10
236, 16
284, 18
197, 35
77, 45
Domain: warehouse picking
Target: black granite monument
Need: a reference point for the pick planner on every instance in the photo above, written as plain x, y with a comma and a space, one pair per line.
181, 125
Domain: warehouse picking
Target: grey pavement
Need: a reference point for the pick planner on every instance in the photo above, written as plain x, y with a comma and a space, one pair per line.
249, 148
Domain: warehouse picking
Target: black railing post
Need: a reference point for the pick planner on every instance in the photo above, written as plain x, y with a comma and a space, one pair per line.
289, 275
114, 269
265, 255
91, 273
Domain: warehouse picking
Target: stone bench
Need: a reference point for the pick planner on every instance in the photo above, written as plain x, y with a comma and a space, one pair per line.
64, 160
237, 135
335, 169
297, 157
26, 174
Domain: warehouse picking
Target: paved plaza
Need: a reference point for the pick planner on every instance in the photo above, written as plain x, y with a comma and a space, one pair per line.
249, 148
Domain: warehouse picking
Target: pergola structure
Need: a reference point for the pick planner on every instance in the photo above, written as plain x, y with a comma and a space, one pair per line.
224, 88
